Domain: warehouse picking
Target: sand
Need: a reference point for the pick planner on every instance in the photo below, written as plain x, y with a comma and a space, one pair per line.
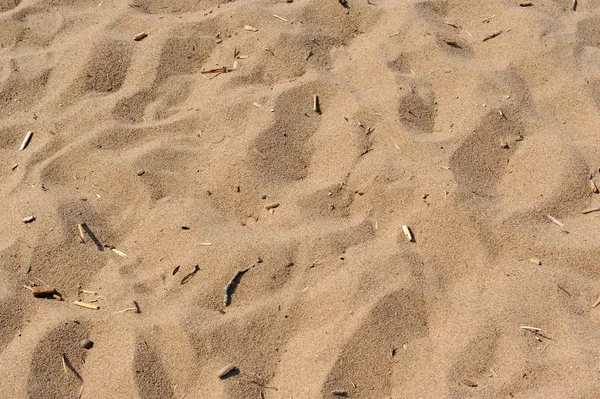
422, 123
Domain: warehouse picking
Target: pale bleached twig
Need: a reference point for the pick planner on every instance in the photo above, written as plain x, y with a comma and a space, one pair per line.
281, 18
408, 233
86, 305
532, 329
555, 220
81, 232
124, 255
26, 140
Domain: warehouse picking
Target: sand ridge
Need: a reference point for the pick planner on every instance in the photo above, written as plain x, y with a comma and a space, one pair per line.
422, 122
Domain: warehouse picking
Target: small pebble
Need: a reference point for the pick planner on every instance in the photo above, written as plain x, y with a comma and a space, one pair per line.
141, 172
28, 219
86, 344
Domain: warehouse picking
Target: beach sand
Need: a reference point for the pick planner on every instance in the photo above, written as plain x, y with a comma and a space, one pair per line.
421, 122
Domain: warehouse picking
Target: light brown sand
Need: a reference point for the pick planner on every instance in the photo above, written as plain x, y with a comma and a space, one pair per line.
409, 133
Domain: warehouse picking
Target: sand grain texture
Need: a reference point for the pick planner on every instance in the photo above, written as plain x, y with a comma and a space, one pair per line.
470, 144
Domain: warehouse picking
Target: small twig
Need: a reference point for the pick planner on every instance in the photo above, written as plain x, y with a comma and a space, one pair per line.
124, 255
81, 233
590, 210
232, 284
192, 274
316, 106
64, 362
281, 18
86, 305
43, 291
555, 220
532, 329
564, 290
596, 303
488, 19
491, 36
408, 233
26, 140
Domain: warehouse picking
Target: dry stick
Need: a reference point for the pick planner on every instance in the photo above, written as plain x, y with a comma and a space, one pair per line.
491, 36
596, 303
555, 220
26, 140
86, 305
42, 292
81, 233
450, 42
590, 210
64, 362
316, 107
192, 274
135, 309
532, 329
281, 18
124, 255
564, 290
408, 233
272, 206
140, 36
232, 283
593, 187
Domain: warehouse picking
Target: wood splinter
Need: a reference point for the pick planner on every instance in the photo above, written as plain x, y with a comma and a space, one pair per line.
532, 329
492, 35
81, 233
135, 308
450, 42
408, 233
316, 106
86, 305
226, 371
26, 140
40, 292
274, 205
590, 210
555, 220
140, 36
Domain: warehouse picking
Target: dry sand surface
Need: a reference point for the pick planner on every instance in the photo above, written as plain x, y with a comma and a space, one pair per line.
469, 121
